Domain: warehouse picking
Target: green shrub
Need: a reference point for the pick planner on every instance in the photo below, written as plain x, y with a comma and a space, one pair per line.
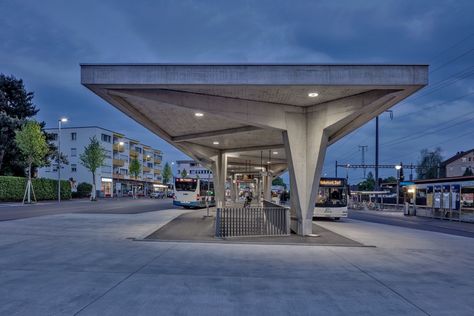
83, 190
13, 188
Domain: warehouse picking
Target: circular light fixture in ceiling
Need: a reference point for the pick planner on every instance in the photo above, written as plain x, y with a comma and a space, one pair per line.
313, 94
199, 114
215, 142
275, 152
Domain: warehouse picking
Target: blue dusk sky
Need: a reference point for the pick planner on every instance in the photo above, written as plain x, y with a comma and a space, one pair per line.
43, 42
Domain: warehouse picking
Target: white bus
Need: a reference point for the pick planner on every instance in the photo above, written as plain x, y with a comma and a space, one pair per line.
331, 201
192, 193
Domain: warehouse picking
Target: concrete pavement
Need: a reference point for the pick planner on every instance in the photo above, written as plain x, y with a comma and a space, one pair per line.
416, 222
12, 211
84, 264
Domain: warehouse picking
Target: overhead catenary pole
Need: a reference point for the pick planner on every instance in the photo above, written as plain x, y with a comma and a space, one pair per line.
363, 148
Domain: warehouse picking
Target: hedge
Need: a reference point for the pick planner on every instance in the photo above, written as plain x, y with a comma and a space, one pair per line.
13, 188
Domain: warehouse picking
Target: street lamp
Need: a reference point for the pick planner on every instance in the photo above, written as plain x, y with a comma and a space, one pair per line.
398, 167
60, 121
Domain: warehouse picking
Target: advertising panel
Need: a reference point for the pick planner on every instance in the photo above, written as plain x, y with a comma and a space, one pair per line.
429, 196
455, 196
437, 196
446, 194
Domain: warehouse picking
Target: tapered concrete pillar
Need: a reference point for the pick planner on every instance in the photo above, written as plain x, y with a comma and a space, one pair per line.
220, 176
267, 187
305, 144
232, 188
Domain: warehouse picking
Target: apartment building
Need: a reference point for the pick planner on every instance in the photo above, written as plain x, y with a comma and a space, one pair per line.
113, 178
193, 169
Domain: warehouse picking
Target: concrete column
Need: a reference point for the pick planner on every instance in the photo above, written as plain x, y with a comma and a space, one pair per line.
267, 187
220, 177
305, 144
232, 188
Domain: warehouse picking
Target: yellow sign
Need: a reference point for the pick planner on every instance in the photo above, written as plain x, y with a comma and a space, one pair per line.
330, 182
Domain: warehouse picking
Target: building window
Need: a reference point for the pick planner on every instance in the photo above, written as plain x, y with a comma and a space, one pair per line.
54, 136
106, 169
463, 159
106, 138
73, 167
73, 152
73, 136
108, 154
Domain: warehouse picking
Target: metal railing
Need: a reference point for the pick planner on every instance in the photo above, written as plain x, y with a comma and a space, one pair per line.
252, 221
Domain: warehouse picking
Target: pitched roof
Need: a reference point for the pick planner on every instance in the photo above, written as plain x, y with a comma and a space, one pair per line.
458, 155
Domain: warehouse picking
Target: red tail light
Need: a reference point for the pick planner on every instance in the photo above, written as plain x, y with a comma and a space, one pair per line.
198, 197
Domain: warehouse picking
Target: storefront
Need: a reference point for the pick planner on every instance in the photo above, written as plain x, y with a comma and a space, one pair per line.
106, 187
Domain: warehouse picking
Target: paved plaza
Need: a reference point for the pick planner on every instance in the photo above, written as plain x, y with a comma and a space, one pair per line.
89, 264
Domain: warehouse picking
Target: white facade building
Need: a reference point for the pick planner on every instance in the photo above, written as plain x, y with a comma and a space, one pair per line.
193, 169
113, 178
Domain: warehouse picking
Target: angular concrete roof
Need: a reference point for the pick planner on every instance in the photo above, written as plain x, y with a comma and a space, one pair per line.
242, 104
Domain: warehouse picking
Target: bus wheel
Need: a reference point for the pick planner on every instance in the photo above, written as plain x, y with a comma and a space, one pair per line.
337, 218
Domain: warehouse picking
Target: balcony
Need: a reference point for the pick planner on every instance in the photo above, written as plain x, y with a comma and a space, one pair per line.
157, 161
157, 171
118, 162
118, 176
133, 153
146, 169
118, 147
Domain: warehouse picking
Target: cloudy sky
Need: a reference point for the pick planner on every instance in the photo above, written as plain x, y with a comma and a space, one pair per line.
43, 42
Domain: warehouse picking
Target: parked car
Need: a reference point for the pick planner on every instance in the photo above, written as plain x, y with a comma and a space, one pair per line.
157, 195
170, 194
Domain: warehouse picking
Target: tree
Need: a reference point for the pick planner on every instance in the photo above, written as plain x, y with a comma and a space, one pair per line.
429, 164
468, 172
184, 173
279, 181
390, 179
92, 158
134, 169
167, 173
368, 184
32, 144
16, 106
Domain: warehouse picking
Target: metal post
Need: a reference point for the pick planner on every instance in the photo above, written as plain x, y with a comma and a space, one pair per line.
336, 169
59, 161
377, 154
398, 187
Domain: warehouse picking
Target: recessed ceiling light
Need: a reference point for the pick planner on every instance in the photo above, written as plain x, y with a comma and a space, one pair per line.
275, 152
198, 114
269, 162
215, 142
313, 94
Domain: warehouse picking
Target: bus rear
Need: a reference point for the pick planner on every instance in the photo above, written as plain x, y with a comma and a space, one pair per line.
193, 193
186, 193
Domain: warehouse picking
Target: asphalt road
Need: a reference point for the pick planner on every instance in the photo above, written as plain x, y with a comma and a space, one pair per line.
421, 223
12, 211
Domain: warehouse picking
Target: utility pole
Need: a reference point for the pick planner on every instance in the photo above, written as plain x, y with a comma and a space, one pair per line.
377, 188
363, 148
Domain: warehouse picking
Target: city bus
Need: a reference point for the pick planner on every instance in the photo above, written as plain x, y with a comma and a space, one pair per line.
192, 193
331, 201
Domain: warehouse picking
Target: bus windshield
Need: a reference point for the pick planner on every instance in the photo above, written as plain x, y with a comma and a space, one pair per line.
185, 185
331, 197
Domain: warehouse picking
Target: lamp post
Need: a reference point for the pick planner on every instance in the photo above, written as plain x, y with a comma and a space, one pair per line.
398, 167
60, 121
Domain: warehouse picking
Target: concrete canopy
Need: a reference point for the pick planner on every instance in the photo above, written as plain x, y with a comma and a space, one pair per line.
254, 114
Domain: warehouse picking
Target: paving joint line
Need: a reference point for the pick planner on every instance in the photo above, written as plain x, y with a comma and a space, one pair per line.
382, 283
123, 280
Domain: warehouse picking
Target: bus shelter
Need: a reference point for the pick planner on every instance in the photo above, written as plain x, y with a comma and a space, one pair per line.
269, 118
